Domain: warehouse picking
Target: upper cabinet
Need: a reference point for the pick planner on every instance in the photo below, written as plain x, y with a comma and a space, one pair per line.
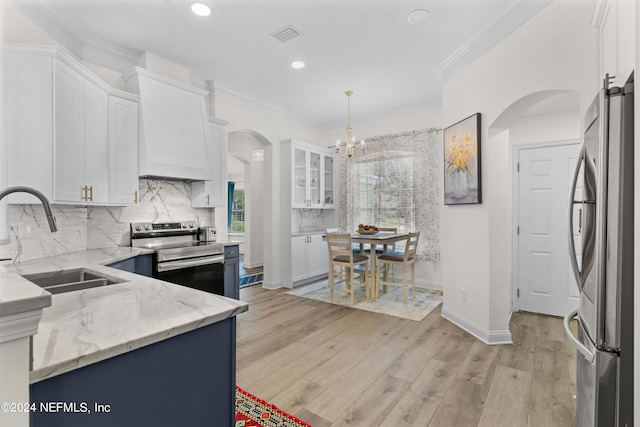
615, 20
28, 89
213, 193
123, 151
69, 135
308, 173
81, 138
174, 128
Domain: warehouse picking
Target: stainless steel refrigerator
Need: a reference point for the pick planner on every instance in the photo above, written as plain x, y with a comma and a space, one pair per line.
604, 270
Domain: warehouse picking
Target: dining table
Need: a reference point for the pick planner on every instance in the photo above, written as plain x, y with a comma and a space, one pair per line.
383, 238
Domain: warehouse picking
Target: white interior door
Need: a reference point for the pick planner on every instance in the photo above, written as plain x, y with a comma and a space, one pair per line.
545, 282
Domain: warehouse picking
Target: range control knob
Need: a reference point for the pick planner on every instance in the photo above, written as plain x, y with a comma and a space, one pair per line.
192, 225
138, 228
147, 227
183, 225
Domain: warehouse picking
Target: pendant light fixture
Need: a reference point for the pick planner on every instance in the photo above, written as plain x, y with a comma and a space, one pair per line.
349, 146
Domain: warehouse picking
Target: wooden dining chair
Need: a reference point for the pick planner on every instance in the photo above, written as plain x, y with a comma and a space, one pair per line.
405, 259
341, 256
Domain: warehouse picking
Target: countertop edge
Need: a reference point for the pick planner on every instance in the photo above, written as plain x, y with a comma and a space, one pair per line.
50, 371
32, 297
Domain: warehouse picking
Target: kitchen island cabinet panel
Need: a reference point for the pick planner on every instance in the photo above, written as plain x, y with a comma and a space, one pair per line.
187, 380
232, 271
141, 264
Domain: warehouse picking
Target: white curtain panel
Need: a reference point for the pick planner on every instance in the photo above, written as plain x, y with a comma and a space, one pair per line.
359, 195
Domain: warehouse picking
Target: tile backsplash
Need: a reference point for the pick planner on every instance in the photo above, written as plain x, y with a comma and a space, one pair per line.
303, 220
90, 227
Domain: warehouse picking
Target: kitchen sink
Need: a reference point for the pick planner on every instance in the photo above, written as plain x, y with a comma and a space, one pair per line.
58, 282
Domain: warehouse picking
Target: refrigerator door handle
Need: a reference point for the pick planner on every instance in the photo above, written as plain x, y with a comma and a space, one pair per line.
572, 201
576, 342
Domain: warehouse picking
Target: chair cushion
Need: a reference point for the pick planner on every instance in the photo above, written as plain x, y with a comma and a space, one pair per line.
394, 256
356, 258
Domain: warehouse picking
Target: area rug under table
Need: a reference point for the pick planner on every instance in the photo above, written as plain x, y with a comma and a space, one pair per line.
252, 411
390, 303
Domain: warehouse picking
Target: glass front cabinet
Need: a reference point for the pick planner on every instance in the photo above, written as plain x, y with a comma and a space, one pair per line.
312, 178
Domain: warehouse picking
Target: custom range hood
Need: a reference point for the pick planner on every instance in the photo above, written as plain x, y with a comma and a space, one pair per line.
174, 141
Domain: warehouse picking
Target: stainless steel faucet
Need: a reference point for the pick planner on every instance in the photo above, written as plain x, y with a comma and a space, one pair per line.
45, 203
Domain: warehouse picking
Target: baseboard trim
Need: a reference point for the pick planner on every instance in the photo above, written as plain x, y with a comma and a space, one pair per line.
487, 337
271, 285
428, 284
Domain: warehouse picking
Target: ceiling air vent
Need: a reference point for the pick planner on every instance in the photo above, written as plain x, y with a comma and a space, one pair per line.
285, 34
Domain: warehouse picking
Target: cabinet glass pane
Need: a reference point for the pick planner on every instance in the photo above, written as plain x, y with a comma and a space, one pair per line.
299, 176
314, 177
328, 180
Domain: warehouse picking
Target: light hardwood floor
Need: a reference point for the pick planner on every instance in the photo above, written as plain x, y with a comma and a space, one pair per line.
336, 366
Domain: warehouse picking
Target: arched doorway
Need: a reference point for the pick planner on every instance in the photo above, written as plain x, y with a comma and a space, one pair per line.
542, 133
253, 152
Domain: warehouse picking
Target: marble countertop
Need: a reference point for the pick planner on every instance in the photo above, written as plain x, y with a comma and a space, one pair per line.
84, 327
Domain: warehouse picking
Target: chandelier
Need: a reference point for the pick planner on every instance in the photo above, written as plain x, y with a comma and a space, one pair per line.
349, 146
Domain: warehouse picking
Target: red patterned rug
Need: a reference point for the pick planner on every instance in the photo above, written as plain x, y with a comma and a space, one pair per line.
251, 411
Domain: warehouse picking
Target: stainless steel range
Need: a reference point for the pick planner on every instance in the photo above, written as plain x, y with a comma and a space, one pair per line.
180, 257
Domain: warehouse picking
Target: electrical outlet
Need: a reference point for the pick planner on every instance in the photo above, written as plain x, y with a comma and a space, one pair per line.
463, 294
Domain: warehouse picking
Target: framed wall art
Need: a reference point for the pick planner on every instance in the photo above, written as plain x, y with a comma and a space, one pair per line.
462, 177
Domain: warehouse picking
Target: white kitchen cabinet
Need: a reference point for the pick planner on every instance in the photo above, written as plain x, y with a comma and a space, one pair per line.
28, 88
81, 138
328, 181
615, 20
309, 257
213, 193
312, 176
123, 151
65, 137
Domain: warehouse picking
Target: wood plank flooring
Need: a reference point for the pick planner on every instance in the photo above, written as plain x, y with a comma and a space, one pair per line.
336, 366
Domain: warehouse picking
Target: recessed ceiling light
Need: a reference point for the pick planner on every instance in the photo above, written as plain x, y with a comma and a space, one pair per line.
418, 15
201, 9
297, 64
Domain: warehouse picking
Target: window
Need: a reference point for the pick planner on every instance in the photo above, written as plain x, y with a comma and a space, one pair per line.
384, 190
237, 209
395, 184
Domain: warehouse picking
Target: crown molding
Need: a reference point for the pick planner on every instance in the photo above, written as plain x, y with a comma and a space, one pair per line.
599, 12
86, 48
488, 35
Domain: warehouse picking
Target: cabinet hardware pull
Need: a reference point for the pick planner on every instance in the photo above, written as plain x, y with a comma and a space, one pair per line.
91, 193
83, 197
135, 196
208, 199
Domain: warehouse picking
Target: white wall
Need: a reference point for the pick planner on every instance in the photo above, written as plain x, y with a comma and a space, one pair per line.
530, 60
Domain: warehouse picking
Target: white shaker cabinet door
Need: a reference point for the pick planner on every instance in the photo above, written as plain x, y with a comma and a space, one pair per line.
213, 193
123, 151
96, 143
68, 111
317, 256
80, 138
29, 124
299, 258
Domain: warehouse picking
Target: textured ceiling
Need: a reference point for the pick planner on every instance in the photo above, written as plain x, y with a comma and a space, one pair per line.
368, 46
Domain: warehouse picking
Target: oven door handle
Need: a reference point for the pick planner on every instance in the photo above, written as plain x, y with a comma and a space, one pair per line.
194, 262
